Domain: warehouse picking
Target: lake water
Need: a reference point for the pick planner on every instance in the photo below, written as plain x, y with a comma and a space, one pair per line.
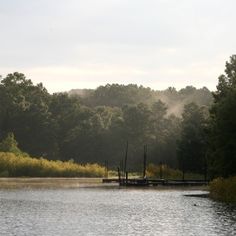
112, 211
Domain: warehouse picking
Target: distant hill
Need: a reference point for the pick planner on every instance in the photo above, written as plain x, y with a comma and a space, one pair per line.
81, 92
116, 95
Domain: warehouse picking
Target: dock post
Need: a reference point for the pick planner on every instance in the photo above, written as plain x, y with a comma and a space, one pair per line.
183, 168
122, 174
126, 157
144, 161
106, 169
161, 170
183, 174
118, 169
205, 167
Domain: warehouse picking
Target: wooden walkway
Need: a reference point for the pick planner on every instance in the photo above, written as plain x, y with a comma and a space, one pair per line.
155, 182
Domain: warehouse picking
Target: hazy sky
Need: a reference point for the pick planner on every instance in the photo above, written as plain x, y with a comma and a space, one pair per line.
86, 43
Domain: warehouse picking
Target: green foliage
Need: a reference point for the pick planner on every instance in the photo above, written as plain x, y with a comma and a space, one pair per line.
115, 95
12, 165
223, 189
95, 125
192, 144
156, 171
24, 111
164, 171
9, 144
222, 128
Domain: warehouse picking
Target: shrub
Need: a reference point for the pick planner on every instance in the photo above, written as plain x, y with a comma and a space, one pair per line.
17, 166
223, 189
9, 144
167, 172
153, 171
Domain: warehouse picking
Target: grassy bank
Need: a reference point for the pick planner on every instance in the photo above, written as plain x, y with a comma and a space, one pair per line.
12, 165
223, 189
155, 171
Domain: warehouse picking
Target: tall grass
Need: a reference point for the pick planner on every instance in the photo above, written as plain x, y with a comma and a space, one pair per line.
154, 171
223, 189
12, 165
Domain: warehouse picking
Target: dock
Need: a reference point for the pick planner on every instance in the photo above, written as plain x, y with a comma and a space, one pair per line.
144, 181
140, 182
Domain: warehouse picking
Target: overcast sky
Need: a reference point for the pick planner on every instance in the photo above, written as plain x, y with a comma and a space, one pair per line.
86, 43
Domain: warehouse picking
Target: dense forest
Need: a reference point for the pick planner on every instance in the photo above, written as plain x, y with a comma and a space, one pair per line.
95, 127
190, 129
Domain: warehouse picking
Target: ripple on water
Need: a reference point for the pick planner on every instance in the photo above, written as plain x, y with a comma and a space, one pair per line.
97, 211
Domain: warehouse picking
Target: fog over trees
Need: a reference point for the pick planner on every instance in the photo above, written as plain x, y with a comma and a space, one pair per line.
94, 125
183, 129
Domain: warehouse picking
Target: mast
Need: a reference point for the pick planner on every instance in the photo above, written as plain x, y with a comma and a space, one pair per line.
126, 156
144, 161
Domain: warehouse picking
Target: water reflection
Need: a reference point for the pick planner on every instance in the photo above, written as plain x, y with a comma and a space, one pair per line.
94, 211
225, 214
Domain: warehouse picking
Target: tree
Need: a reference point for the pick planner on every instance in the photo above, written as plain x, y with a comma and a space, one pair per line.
9, 144
158, 123
192, 144
94, 125
222, 128
84, 142
25, 112
137, 130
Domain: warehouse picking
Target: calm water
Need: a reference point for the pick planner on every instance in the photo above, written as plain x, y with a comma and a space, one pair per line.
98, 211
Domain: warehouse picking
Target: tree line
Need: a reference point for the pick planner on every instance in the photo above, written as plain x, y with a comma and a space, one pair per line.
190, 129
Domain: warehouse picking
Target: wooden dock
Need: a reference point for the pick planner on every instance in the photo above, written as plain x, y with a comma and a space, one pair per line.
139, 182
124, 180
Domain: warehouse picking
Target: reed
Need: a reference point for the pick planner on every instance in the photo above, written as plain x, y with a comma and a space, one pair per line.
12, 165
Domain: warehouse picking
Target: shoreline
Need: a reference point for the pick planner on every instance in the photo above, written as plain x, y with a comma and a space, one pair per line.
84, 182
47, 182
